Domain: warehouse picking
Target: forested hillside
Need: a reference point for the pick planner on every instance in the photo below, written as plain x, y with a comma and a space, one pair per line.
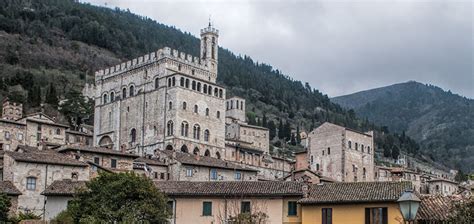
441, 121
49, 49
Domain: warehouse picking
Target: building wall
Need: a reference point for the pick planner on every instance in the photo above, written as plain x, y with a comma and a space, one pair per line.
44, 133
11, 135
124, 163
349, 213
54, 205
12, 111
235, 109
202, 173
442, 187
360, 157
18, 172
382, 174
78, 139
189, 210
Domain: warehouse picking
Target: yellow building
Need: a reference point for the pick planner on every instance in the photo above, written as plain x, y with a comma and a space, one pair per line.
218, 202
353, 203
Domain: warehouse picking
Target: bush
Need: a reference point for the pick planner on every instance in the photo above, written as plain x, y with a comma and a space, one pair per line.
63, 217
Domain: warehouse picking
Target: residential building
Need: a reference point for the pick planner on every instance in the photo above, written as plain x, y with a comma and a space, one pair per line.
58, 194
442, 187
152, 167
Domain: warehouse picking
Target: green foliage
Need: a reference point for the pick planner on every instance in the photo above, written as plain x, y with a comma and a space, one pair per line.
249, 218
5, 204
64, 217
77, 109
463, 212
24, 216
52, 95
130, 198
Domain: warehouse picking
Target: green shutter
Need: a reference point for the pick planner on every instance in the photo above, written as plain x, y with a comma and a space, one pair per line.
207, 208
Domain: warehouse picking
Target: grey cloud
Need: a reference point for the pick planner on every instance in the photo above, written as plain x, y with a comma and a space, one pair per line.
339, 47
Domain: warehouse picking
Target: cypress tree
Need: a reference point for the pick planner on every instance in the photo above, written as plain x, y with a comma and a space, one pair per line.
51, 95
34, 96
298, 136
281, 131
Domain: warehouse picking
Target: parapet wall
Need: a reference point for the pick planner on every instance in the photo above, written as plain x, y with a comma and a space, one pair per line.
149, 58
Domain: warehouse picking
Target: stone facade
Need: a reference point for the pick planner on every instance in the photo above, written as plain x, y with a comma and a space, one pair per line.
12, 134
165, 99
43, 130
341, 154
11, 110
442, 187
235, 109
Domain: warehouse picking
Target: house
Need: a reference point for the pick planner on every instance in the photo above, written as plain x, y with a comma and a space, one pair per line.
58, 194
44, 130
12, 192
217, 202
154, 168
442, 186
32, 170
355, 203
383, 173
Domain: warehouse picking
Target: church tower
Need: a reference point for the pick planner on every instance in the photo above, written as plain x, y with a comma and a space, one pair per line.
209, 47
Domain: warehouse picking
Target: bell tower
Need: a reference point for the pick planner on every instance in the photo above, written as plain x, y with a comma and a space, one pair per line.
209, 47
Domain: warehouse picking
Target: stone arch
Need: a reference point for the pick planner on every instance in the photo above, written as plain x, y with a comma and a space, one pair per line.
207, 153
133, 135
218, 155
196, 151
105, 141
132, 90
184, 149
169, 147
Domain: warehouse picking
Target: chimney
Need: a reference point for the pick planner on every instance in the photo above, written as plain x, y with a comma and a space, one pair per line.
305, 190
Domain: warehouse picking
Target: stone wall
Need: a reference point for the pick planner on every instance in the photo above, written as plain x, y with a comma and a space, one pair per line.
12, 134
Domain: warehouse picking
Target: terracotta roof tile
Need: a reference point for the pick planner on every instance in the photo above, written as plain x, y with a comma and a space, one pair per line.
63, 187
99, 150
152, 161
8, 188
230, 188
434, 208
44, 157
190, 159
355, 192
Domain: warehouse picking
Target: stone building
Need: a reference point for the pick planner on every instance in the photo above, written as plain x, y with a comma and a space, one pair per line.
12, 192
152, 167
32, 170
43, 130
341, 154
11, 110
12, 134
383, 173
162, 100
443, 187
78, 138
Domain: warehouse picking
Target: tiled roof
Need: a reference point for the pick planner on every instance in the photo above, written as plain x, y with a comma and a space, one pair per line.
230, 188
99, 150
8, 188
191, 159
63, 187
434, 208
355, 192
78, 133
45, 157
148, 161
443, 180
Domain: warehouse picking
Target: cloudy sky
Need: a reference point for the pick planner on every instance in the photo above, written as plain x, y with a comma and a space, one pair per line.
339, 47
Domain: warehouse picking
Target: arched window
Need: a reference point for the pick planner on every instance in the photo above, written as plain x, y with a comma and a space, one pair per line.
184, 149
133, 135
350, 144
218, 155
207, 153
196, 151
237, 104
204, 88
174, 81
193, 85
216, 92
169, 82
227, 105
181, 81
170, 105
207, 111
363, 173
196, 109
184, 105
157, 83
356, 146
58, 131
206, 135
169, 128
105, 141
169, 147
221, 93
231, 104
124, 93
132, 91
196, 131
329, 151
184, 129
112, 96
241, 105
368, 149
362, 148
209, 90
187, 83
218, 115
105, 98
198, 87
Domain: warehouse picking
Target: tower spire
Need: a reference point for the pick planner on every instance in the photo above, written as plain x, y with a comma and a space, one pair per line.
210, 20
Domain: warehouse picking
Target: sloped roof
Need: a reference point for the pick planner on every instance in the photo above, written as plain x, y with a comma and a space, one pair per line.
98, 150
358, 192
230, 188
45, 157
65, 187
8, 188
434, 208
148, 161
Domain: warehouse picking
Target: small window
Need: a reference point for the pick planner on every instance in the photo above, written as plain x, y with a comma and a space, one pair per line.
157, 83
326, 215
162, 176
184, 105
317, 166
206, 135
7, 135
58, 131
170, 105
74, 175
189, 171
133, 135
207, 111
213, 174
356, 146
238, 175
31, 183
350, 144
376, 215
292, 208
113, 163
97, 160
218, 114
329, 151
20, 136
124, 93
206, 208
39, 127
245, 207
132, 91
196, 109
112, 97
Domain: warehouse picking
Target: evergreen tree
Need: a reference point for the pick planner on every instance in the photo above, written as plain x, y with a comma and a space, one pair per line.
281, 130
264, 121
293, 140
51, 95
5, 204
387, 152
287, 129
34, 96
395, 152
271, 129
298, 136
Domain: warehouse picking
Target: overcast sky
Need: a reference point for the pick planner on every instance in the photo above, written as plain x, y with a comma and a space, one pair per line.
339, 47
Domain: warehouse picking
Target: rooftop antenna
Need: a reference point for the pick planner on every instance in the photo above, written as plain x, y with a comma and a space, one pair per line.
210, 20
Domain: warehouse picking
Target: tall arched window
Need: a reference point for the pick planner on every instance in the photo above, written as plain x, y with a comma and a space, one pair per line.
204, 88
157, 83
221, 93
356, 146
218, 115
181, 81
169, 128
187, 83
207, 153
363, 173
184, 105
206, 135
133, 135
231, 104
184, 149
132, 91
169, 82
196, 151
209, 90
105, 98
196, 131
241, 105
174, 81
124, 93
196, 109
112, 96
184, 129
216, 92
193, 85
218, 155
207, 111
170, 105
237, 105
350, 144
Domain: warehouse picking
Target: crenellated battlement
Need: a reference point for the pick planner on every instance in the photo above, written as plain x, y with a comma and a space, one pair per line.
210, 29
165, 52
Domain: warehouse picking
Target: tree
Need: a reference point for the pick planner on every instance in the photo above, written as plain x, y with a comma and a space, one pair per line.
281, 131
119, 198
51, 95
395, 152
460, 176
76, 108
249, 218
293, 140
298, 135
5, 204
271, 129
463, 212
34, 96
287, 130
264, 121
386, 151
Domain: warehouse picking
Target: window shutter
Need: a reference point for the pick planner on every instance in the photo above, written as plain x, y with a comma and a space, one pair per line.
367, 215
384, 216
